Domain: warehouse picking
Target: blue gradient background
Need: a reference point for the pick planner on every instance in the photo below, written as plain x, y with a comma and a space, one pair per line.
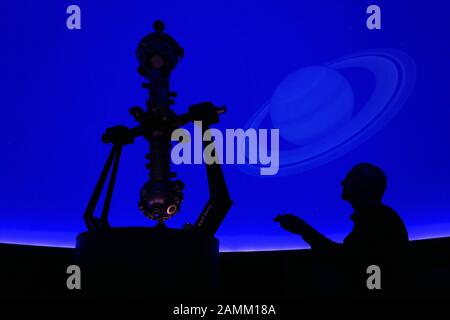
60, 89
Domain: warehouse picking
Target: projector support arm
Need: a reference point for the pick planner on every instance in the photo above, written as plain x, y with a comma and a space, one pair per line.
118, 136
219, 202
92, 222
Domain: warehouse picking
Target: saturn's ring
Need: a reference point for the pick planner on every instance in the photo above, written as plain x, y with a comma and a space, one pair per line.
395, 75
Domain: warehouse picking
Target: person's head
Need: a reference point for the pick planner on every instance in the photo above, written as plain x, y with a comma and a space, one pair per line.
365, 183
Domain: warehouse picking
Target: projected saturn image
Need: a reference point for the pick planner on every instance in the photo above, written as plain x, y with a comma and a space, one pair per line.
320, 101
225, 158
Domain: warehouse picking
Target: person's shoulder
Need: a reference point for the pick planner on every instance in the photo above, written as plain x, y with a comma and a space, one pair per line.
387, 209
389, 213
393, 218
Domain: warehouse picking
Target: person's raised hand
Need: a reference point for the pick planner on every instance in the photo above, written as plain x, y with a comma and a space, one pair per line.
291, 223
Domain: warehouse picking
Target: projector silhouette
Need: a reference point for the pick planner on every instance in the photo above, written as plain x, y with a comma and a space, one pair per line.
160, 198
124, 262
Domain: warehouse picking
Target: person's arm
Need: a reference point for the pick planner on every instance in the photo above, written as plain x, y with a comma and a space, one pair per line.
315, 239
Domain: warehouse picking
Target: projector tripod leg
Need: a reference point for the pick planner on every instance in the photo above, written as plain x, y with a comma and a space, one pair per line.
92, 222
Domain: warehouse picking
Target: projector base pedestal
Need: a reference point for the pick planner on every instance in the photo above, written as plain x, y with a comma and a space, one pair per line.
148, 263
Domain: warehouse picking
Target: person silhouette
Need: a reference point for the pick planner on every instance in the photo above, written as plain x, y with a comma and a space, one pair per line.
379, 236
377, 229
